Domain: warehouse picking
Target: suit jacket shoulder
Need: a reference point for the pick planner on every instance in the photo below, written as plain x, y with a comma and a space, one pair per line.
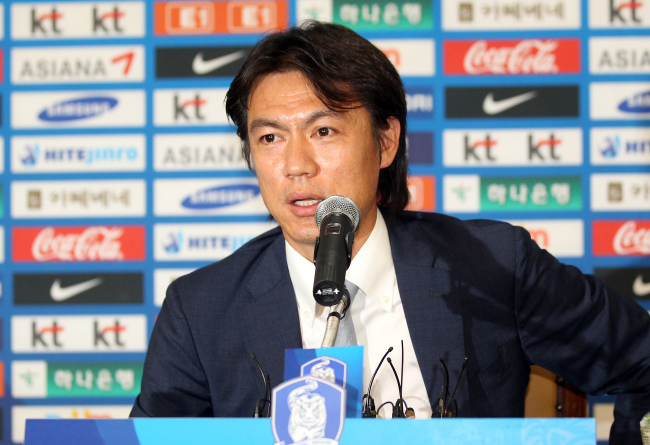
509, 304
454, 244
228, 274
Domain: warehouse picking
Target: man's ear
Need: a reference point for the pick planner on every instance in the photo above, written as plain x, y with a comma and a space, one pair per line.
389, 139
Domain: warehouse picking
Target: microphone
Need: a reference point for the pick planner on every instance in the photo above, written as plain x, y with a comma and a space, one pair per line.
448, 408
338, 218
442, 410
368, 408
451, 399
398, 407
260, 405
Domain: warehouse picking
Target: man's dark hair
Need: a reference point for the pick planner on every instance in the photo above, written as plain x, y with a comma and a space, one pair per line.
345, 71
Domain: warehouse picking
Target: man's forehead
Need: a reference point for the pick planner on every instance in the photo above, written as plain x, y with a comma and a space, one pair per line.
295, 79
278, 81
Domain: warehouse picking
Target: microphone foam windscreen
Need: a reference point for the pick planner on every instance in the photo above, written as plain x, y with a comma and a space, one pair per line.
340, 204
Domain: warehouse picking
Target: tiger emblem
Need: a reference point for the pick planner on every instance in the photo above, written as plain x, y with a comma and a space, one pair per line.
308, 413
323, 371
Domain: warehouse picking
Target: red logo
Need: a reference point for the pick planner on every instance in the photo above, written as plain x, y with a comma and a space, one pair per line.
183, 18
621, 238
528, 56
127, 58
423, 193
93, 243
252, 16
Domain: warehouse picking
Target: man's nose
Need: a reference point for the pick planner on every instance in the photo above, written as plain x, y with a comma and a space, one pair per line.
299, 158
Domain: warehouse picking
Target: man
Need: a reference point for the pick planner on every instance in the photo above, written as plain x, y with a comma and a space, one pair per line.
322, 112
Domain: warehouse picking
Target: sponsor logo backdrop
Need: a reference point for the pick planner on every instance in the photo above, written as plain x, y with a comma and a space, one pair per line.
120, 172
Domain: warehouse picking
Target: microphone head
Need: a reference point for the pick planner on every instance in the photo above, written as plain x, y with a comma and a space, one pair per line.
340, 204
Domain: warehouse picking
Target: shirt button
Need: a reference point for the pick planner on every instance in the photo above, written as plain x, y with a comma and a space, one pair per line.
307, 314
386, 299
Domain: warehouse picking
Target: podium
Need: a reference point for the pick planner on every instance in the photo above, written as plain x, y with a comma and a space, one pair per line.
524, 431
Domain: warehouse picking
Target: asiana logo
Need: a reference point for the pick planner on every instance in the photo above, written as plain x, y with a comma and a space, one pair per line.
639, 103
77, 109
308, 410
224, 196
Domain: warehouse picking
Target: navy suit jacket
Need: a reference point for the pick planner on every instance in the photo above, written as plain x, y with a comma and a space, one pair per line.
480, 289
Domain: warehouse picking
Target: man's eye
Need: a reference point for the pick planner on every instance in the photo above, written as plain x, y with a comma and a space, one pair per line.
324, 131
269, 138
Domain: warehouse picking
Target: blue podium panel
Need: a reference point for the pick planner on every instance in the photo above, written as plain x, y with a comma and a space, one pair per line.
580, 431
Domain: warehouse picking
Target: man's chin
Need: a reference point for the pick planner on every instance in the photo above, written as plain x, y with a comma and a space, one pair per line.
304, 238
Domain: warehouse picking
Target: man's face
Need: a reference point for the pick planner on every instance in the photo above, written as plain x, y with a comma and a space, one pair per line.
303, 152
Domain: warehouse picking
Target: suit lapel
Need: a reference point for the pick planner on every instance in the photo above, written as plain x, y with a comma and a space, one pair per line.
270, 314
432, 305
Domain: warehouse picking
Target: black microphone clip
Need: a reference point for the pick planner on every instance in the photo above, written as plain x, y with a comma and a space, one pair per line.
368, 409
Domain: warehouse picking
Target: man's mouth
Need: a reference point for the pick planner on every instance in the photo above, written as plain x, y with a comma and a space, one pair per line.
306, 202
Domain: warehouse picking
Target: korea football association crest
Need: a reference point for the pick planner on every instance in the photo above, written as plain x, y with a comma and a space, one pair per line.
308, 411
326, 368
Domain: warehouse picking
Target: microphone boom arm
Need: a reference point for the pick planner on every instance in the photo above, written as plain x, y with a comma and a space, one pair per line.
334, 318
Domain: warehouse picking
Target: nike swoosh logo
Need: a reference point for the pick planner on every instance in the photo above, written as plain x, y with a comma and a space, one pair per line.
639, 287
59, 293
492, 107
201, 66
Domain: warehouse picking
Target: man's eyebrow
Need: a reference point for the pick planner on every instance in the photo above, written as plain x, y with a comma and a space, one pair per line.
310, 119
262, 122
322, 113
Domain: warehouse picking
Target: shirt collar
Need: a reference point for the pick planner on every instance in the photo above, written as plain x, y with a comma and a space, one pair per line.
371, 270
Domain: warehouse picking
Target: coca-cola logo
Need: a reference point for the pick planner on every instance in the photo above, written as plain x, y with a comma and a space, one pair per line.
93, 243
632, 240
529, 56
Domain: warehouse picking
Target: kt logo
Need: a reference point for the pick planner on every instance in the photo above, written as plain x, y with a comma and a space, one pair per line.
616, 11
107, 21
47, 22
471, 149
39, 335
181, 108
535, 148
106, 333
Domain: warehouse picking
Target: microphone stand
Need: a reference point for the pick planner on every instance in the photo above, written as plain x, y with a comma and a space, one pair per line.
337, 312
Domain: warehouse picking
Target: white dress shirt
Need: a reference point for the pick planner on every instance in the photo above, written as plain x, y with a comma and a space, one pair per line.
378, 318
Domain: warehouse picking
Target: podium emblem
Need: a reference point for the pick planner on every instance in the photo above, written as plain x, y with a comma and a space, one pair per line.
307, 410
326, 368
